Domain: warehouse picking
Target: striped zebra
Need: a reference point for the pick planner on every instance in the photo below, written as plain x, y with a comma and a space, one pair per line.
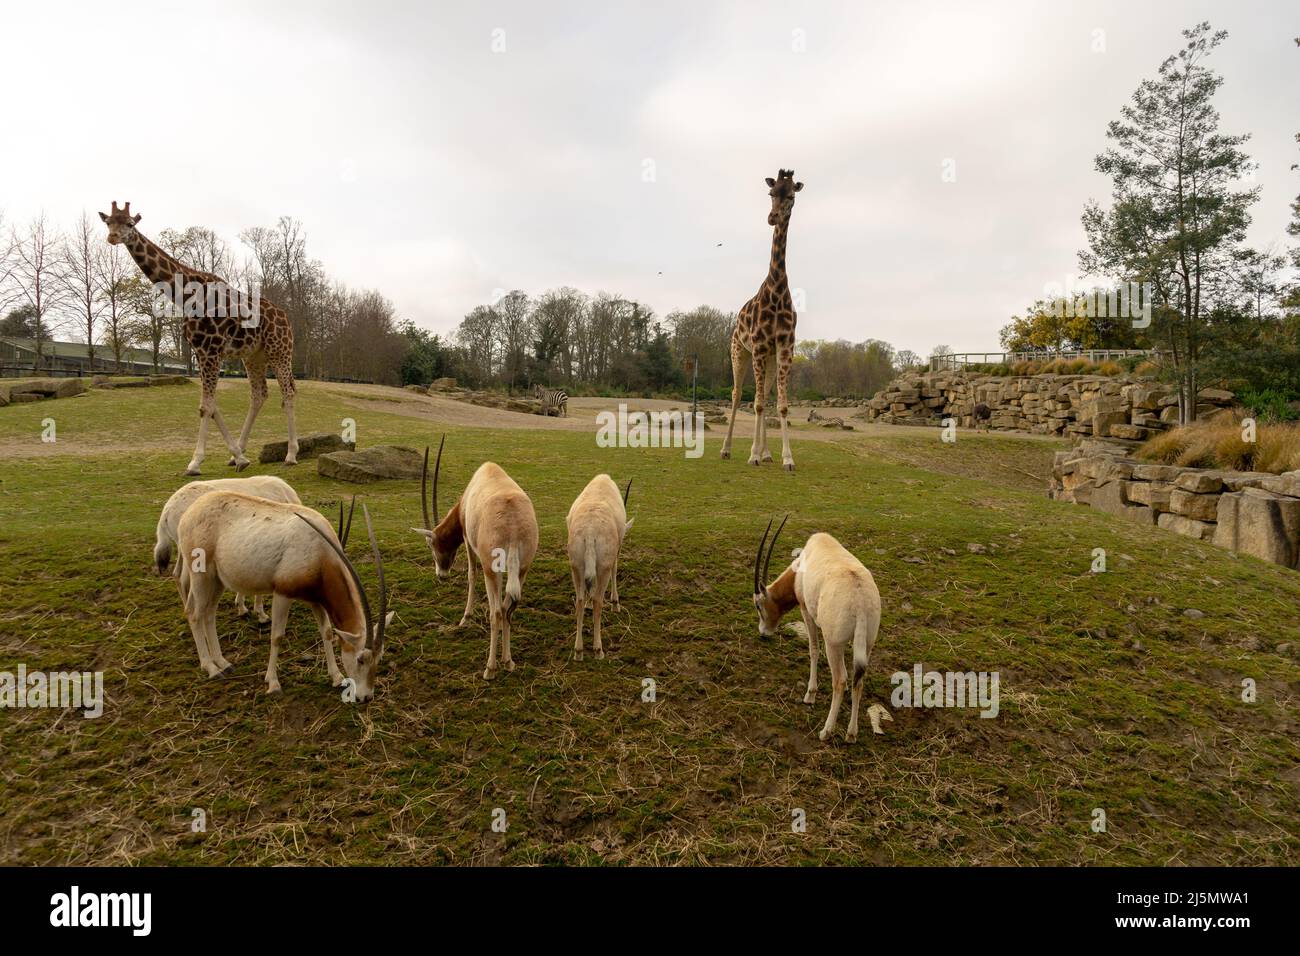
550, 398
815, 416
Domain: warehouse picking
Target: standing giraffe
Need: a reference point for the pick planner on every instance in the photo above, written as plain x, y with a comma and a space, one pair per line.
764, 327
218, 325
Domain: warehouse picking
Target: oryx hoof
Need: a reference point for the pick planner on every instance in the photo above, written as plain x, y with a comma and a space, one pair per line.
754, 462
810, 697
510, 665
824, 735
274, 691
850, 735
193, 470
600, 654
767, 456
291, 461
725, 454
240, 463
577, 655
788, 466
263, 619
226, 671
489, 673
241, 610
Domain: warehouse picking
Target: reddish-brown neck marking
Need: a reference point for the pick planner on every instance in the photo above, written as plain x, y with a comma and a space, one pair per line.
781, 591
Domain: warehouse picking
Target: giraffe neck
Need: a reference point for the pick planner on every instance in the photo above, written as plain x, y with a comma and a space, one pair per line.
776, 276
156, 265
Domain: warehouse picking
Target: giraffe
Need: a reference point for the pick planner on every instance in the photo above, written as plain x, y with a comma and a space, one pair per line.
219, 324
765, 328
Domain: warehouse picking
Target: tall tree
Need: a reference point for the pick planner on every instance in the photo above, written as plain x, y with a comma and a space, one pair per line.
79, 279
1178, 214
35, 276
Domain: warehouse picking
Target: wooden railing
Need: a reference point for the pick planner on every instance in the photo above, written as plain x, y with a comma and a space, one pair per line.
959, 360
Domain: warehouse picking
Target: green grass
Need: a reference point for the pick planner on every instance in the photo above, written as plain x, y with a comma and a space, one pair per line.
1111, 697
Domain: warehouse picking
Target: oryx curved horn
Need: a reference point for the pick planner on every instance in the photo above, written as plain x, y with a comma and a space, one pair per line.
424, 485
346, 529
770, 548
382, 623
758, 588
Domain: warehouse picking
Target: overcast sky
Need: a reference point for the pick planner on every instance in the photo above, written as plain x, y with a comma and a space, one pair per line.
439, 152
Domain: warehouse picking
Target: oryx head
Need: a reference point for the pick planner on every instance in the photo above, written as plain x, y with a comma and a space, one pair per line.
443, 546
361, 652
769, 611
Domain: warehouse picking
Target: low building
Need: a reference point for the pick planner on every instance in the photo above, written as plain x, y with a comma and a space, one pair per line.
18, 359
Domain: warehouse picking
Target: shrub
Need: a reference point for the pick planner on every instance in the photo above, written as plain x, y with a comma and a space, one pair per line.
1220, 444
1110, 369
1267, 405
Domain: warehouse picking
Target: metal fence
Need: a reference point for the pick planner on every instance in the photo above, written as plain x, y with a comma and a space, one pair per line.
959, 360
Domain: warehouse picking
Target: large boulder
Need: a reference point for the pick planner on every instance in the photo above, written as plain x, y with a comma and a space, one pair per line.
49, 387
309, 446
1112, 498
442, 385
1261, 524
372, 464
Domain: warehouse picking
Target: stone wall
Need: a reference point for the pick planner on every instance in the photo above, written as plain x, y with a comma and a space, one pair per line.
1075, 406
1247, 512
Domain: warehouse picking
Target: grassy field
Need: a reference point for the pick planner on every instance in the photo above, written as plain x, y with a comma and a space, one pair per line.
1113, 696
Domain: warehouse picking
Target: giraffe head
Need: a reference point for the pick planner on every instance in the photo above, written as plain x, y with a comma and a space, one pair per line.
782, 190
120, 222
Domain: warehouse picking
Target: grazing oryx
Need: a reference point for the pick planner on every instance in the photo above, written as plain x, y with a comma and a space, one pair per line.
257, 546
597, 523
556, 398
495, 519
837, 598
261, 486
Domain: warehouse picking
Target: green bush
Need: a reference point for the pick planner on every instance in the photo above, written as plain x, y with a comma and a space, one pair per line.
1267, 404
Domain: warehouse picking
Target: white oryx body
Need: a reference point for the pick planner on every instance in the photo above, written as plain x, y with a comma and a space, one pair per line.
261, 486
495, 520
597, 523
838, 600
255, 546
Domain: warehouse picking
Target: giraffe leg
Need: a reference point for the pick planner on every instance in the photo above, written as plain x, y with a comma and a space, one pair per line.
784, 360
737, 382
764, 454
256, 368
284, 375
208, 379
760, 379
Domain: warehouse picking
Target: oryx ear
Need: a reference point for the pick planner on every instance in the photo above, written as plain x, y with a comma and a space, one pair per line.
388, 618
348, 641
796, 552
628, 526
424, 531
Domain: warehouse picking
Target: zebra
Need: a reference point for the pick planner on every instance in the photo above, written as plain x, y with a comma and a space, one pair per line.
550, 398
815, 416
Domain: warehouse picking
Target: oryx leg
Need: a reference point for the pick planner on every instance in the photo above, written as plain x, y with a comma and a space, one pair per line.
835, 655
469, 597
279, 618
494, 622
596, 606
811, 627
327, 638
580, 608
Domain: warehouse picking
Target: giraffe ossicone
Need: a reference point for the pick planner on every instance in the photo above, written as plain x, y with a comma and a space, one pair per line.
765, 329
218, 327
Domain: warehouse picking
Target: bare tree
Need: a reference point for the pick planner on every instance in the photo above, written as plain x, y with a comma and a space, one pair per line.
34, 274
114, 271
79, 280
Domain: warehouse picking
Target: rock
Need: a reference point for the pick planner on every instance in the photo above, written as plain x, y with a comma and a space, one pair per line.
1188, 527
1112, 499
49, 387
4, 395
1193, 613
1131, 432
371, 464
1200, 482
1191, 505
1156, 472
1217, 396
1104, 421
309, 446
442, 385
1261, 524
20, 397
975, 548
1287, 483
1153, 494
168, 380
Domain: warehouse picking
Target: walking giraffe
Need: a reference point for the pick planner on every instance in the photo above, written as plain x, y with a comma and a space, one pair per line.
219, 324
765, 328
